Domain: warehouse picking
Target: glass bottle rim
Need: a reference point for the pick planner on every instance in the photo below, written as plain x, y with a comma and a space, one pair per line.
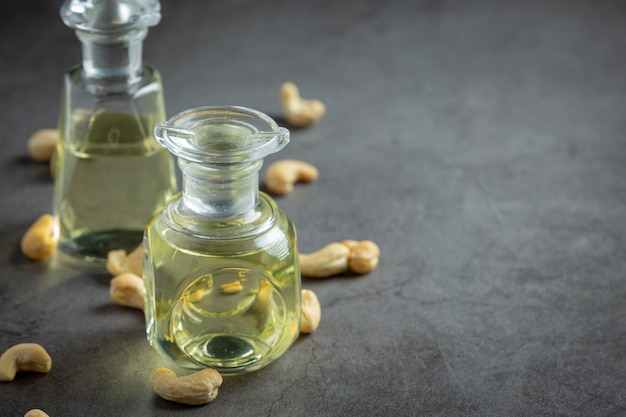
112, 18
221, 134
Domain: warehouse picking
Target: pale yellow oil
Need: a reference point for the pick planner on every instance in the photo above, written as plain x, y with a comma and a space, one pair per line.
109, 185
233, 305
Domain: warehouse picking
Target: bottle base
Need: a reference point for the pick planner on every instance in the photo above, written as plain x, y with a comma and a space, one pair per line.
94, 247
229, 354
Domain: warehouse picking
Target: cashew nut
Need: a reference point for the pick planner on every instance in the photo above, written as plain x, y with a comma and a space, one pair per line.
330, 260
311, 312
195, 389
281, 175
40, 240
35, 412
118, 262
363, 256
358, 256
299, 112
42, 144
128, 290
24, 357
233, 287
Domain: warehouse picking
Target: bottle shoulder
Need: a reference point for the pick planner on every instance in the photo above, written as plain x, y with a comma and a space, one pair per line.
111, 121
149, 81
261, 226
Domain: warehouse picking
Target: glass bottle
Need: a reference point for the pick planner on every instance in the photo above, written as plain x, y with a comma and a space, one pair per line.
221, 271
112, 175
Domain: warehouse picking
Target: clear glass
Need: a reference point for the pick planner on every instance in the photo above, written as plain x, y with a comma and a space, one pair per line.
112, 175
221, 270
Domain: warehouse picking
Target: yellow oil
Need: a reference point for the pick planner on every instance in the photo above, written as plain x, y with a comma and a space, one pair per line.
109, 183
230, 303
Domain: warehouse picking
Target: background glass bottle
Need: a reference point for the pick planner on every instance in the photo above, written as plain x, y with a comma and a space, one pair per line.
222, 274
112, 176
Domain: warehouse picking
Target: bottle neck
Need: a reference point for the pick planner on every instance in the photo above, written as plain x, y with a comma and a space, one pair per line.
109, 57
224, 190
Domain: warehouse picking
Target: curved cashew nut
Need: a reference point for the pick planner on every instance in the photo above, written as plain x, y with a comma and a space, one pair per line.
233, 287
118, 262
330, 260
299, 112
35, 412
311, 312
195, 389
40, 240
281, 175
24, 357
42, 143
128, 290
334, 258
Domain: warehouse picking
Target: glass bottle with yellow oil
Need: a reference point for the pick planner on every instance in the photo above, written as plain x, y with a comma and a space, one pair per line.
112, 176
221, 272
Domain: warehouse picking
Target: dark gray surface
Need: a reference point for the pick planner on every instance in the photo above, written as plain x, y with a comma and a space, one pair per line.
480, 143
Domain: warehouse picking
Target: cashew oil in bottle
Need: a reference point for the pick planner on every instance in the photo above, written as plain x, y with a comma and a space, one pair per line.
221, 272
112, 176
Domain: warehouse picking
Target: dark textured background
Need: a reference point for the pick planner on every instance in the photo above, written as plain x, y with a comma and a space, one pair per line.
480, 143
